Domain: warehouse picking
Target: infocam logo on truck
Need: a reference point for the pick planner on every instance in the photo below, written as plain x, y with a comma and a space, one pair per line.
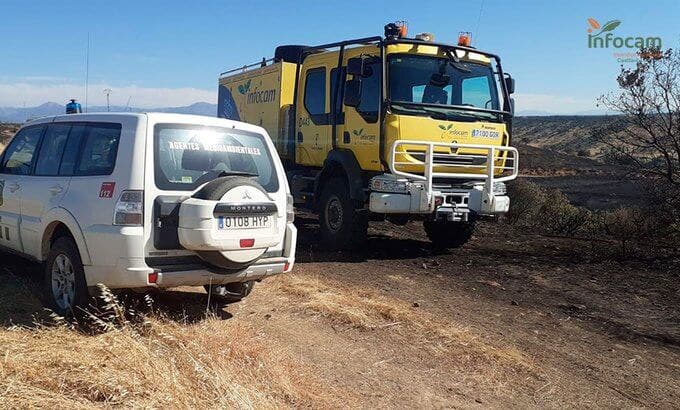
256, 97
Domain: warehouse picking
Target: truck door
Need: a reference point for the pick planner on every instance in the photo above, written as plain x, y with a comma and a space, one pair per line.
361, 129
313, 134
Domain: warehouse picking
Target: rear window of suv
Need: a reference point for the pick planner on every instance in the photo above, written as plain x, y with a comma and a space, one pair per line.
187, 156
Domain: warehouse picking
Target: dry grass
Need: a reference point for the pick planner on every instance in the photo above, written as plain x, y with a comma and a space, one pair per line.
157, 364
368, 310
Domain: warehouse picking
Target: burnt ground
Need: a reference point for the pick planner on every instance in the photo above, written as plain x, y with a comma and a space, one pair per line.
510, 319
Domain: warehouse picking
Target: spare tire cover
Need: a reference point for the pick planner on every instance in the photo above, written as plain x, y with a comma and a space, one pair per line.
216, 220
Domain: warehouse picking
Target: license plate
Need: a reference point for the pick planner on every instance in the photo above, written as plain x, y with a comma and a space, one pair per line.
244, 222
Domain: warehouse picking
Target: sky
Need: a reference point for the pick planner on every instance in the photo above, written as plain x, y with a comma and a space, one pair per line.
170, 53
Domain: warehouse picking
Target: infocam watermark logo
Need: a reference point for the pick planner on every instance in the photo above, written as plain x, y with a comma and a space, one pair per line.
603, 36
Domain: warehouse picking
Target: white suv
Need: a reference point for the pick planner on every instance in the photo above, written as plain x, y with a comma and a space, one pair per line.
145, 200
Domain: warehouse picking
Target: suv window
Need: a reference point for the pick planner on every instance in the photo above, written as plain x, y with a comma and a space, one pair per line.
315, 91
19, 155
187, 156
70, 156
51, 149
99, 150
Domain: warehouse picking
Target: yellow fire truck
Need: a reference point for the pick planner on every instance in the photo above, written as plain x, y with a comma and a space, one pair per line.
389, 127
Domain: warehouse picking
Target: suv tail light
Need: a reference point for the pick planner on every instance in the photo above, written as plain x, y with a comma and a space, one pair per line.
290, 209
129, 209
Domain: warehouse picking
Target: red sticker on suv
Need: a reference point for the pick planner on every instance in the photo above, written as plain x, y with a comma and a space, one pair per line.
107, 189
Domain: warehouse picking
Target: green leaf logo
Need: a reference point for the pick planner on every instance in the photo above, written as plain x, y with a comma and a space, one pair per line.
442, 126
243, 88
449, 127
361, 131
609, 26
355, 132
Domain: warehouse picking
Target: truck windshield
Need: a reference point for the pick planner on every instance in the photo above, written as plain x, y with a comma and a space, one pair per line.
440, 86
188, 156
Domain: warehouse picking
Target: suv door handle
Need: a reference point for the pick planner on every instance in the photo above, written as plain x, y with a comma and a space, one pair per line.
57, 189
13, 187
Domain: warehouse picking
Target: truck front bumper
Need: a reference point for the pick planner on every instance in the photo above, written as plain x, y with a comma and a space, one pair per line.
453, 203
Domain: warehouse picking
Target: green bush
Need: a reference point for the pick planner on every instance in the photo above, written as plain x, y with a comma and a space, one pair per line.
549, 211
526, 200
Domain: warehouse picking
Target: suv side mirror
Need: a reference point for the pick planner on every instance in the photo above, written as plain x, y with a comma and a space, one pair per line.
353, 92
509, 84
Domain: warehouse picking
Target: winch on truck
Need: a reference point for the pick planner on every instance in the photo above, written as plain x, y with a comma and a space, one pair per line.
386, 127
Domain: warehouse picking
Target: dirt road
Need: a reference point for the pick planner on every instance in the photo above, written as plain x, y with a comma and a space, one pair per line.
509, 319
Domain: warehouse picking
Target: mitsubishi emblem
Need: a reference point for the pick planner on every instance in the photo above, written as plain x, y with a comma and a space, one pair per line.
246, 195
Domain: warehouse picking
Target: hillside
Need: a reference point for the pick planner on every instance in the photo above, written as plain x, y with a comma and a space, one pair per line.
567, 134
19, 115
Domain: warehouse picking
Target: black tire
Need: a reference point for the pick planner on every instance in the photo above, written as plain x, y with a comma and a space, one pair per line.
343, 226
449, 235
64, 288
231, 292
215, 189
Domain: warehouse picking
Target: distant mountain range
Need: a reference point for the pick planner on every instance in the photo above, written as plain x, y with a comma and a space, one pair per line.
538, 113
19, 115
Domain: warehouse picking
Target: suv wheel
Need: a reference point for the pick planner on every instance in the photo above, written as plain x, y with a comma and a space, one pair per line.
231, 292
64, 285
342, 225
447, 235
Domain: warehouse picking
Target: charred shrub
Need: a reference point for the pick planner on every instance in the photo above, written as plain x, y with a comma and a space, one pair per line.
559, 216
628, 226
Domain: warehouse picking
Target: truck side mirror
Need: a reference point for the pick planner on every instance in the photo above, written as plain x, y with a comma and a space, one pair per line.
359, 67
353, 92
355, 66
509, 84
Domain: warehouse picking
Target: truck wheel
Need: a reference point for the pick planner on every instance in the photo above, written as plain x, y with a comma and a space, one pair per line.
231, 292
447, 235
64, 285
342, 226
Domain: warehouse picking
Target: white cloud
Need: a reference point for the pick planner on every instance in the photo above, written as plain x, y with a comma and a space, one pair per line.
552, 103
32, 94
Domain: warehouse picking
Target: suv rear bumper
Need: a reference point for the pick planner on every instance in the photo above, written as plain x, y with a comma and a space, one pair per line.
133, 272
